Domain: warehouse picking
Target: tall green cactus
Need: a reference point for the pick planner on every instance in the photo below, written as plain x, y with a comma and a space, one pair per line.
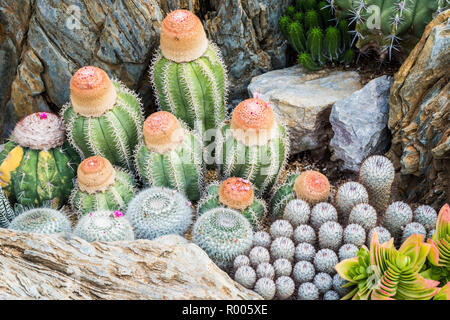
6, 211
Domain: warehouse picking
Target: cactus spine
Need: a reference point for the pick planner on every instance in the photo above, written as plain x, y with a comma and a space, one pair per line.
42, 221
6, 211
37, 165
171, 157
103, 117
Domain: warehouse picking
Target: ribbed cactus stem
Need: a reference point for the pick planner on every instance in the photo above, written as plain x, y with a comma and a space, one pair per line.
306, 61
345, 34
332, 43
297, 36
312, 20
315, 45
42, 221
6, 211
299, 17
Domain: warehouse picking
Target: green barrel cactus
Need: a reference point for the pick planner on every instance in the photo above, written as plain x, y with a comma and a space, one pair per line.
237, 194
254, 146
37, 164
101, 187
103, 117
171, 157
6, 211
188, 73
42, 221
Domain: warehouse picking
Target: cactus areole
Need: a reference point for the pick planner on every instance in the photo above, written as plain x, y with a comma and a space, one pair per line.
183, 38
163, 132
95, 174
236, 193
312, 186
92, 92
253, 123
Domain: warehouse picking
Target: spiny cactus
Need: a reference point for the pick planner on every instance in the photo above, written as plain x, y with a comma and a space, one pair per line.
245, 276
265, 288
265, 270
297, 212
259, 255
237, 194
104, 226
282, 267
413, 228
364, 215
37, 164
223, 234
347, 251
156, 212
397, 215
330, 235
377, 175
285, 287
101, 187
262, 239
42, 221
241, 261
388, 26
426, 216
282, 248
253, 146
305, 252
305, 233
325, 260
103, 117
383, 235
6, 211
354, 234
308, 291
323, 282
281, 228
340, 285
303, 272
349, 195
171, 157
188, 74
331, 295
321, 213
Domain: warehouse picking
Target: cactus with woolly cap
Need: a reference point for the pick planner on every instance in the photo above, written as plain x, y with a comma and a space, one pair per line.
100, 186
42, 221
253, 146
246, 276
171, 156
188, 74
266, 288
103, 117
237, 194
37, 164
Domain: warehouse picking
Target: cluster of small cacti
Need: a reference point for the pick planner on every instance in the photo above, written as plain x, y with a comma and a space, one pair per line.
316, 35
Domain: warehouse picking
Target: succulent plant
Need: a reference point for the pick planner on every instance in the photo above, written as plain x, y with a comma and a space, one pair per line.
246, 276
265, 288
297, 212
156, 212
348, 196
101, 187
6, 211
413, 228
282, 248
305, 233
237, 194
354, 234
42, 221
331, 295
397, 215
282, 268
171, 157
383, 235
377, 174
103, 117
444, 293
431, 234
253, 146
325, 260
285, 287
305, 252
364, 215
262, 239
223, 234
188, 73
241, 261
37, 165
323, 282
303, 272
259, 255
265, 270
330, 235
104, 226
347, 251
385, 273
426, 216
321, 213
308, 291
281, 228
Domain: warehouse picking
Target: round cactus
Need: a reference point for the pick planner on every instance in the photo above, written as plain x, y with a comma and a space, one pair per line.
237, 194
42, 221
188, 74
265, 270
171, 157
105, 226
413, 228
303, 272
37, 165
156, 212
348, 196
383, 235
304, 252
253, 146
426, 216
364, 215
285, 287
331, 295
223, 234
321, 213
354, 234
397, 215
323, 282
305, 233
246, 276
338, 284
101, 187
325, 260
282, 248
241, 261
330, 235
308, 291
282, 267
431, 234
297, 212
347, 251
262, 239
377, 175
103, 117
259, 255
281, 228
265, 288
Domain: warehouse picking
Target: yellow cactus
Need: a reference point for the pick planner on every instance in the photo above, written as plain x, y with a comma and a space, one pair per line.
11, 163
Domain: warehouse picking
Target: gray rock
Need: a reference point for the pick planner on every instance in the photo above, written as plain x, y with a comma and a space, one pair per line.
360, 122
303, 101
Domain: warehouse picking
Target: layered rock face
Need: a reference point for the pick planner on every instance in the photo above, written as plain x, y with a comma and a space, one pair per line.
419, 118
42, 43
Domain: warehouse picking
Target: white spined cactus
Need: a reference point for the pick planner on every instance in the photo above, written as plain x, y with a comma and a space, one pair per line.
305, 251
305, 233
282, 267
285, 287
259, 255
42, 221
354, 234
426, 216
303, 272
282, 248
265, 288
281, 228
325, 260
365, 215
262, 239
321, 213
349, 195
245, 276
265, 270
323, 282
297, 212
383, 235
413, 228
397, 215
308, 291
347, 251
330, 235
